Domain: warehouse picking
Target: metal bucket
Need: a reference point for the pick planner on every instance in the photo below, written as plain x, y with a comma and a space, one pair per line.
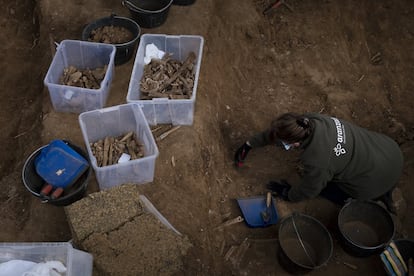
365, 228
305, 244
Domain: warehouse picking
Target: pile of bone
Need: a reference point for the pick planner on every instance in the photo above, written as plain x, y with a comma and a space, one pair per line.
113, 150
168, 78
87, 78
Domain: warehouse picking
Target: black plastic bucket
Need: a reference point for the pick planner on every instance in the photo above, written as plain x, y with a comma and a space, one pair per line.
124, 51
148, 13
365, 228
305, 244
34, 183
183, 2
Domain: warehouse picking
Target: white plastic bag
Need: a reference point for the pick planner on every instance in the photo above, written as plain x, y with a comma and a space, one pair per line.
15, 267
51, 268
151, 51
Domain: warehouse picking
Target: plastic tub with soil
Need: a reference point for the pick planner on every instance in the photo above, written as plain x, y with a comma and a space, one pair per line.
365, 228
122, 32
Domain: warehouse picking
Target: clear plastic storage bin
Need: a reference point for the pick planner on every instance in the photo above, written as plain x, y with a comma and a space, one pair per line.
164, 110
82, 55
77, 262
115, 121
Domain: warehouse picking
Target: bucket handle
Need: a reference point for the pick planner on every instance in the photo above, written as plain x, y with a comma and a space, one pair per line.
44, 199
300, 240
130, 6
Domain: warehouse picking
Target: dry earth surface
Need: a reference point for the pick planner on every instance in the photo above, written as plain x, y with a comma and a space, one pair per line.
350, 59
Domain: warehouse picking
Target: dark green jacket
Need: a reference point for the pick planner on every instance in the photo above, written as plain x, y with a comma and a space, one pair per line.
363, 163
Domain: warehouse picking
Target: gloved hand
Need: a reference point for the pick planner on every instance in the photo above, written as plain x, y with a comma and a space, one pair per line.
241, 154
280, 187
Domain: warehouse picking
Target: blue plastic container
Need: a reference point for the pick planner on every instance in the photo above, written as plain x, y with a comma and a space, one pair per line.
60, 165
252, 209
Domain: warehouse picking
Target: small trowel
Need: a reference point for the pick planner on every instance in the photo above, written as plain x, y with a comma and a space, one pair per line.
266, 214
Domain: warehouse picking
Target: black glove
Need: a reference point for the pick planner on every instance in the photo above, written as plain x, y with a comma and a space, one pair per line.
241, 154
280, 187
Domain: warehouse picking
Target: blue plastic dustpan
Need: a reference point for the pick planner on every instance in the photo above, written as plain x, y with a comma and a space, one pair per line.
252, 207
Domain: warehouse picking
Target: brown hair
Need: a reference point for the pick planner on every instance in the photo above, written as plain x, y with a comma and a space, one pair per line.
290, 128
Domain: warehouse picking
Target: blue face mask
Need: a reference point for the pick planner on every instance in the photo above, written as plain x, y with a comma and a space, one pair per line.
286, 145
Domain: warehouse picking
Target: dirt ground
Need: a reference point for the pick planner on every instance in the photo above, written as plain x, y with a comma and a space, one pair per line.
350, 59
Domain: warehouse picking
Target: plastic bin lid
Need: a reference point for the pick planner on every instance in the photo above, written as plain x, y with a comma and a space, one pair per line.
59, 164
